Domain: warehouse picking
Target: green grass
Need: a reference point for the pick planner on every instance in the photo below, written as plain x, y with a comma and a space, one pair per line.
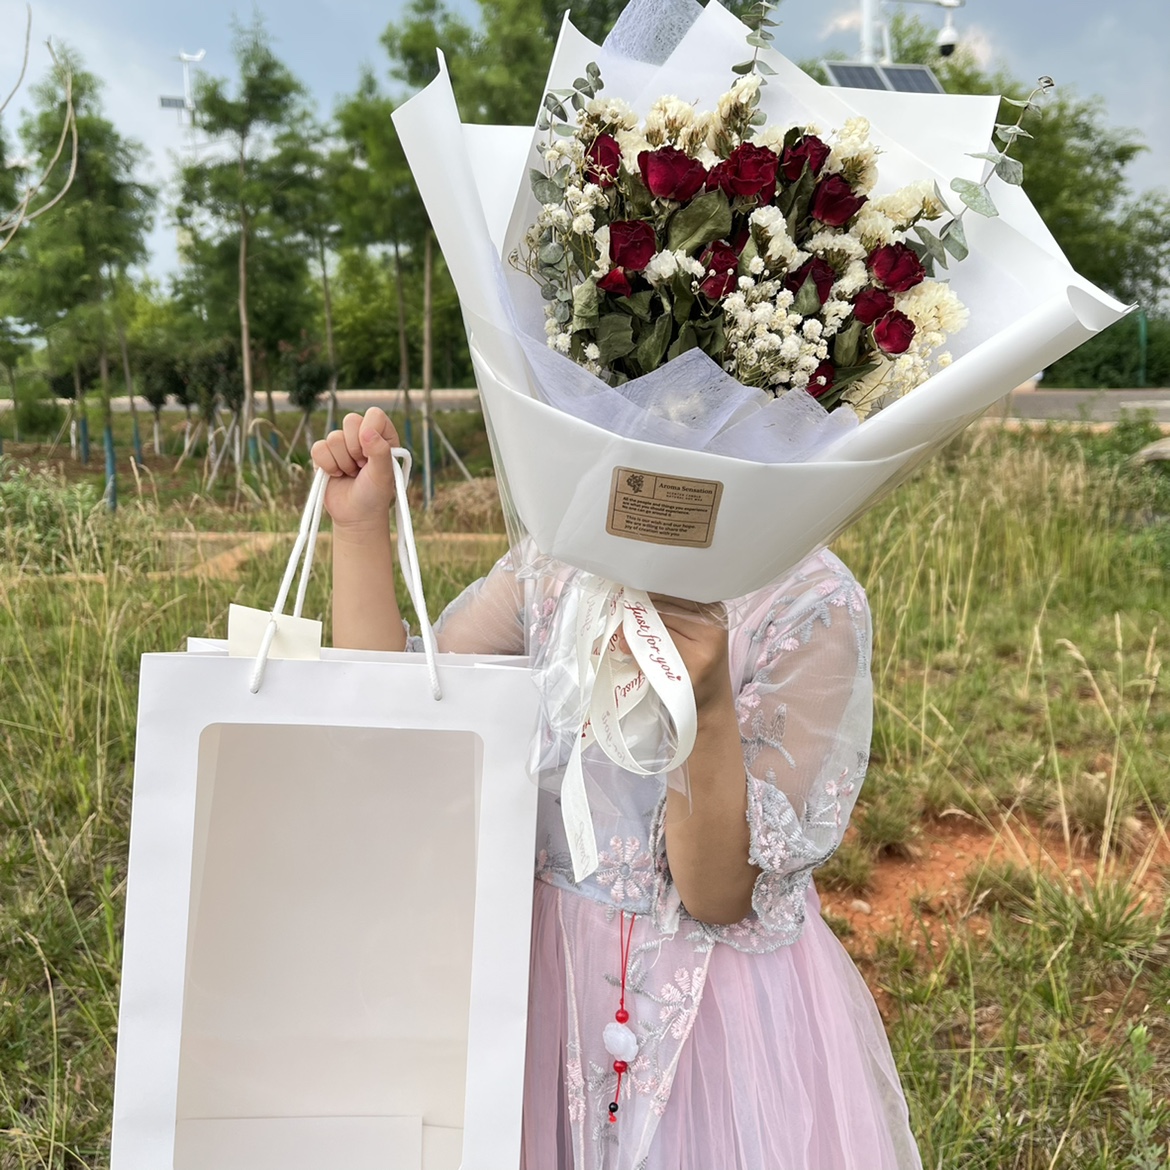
1019, 590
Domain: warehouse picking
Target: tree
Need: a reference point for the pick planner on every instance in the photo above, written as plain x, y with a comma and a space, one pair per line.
233, 191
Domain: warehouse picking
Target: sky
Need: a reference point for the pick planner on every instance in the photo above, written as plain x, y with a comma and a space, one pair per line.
1114, 49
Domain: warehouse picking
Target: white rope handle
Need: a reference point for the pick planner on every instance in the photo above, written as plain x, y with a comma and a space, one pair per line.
306, 544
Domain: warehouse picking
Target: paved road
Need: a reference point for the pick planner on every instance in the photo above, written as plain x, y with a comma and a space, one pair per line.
1072, 405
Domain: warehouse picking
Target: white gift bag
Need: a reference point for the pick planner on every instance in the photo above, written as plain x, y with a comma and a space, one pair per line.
328, 911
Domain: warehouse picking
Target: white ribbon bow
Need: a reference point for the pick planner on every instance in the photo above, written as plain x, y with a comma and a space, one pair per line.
613, 685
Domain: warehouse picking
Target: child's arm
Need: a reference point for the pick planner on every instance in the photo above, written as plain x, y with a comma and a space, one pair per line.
358, 498
707, 841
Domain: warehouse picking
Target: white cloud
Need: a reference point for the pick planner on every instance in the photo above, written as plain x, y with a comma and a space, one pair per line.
849, 21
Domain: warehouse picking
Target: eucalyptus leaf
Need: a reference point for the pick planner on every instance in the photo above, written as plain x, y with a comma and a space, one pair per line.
759, 117
614, 337
933, 245
561, 178
923, 253
991, 156
546, 191
1010, 170
1007, 133
765, 68
1020, 105
706, 218
552, 253
565, 294
954, 238
593, 71
562, 312
758, 40
742, 68
975, 196
542, 122
549, 291
651, 347
580, 83
579, 102
564, 129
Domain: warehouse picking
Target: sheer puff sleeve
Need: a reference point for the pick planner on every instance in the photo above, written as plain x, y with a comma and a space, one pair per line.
805, 708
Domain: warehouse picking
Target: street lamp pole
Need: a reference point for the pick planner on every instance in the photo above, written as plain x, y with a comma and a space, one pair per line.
875, 32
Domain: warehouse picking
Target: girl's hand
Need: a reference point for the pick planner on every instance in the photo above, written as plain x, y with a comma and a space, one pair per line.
702, 643
357, 458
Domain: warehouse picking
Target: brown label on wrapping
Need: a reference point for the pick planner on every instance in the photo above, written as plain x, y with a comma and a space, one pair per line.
663, 509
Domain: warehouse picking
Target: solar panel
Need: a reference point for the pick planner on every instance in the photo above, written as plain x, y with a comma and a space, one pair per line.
911, 79
173, 103
854, 76
900, 78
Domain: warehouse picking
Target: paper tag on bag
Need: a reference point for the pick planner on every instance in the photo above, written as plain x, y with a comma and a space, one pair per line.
295, 637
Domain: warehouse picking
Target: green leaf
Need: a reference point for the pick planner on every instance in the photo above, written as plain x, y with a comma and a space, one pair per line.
638, 304
759, 40
552, 253
684, 298
751, 251
991, 156
705, 218
563, 313
651, 347
954, 238
765, 68
923, 253
975, 196
564, 129
615, 337
580, 83
846, 345
808, 300
546, 191
585, 306
1008, 133
561, 178
593, 71
550, 292
850, 374
742, 68
579, 102
1020, 105
1010, 170
933, 245
759, 118
686, 340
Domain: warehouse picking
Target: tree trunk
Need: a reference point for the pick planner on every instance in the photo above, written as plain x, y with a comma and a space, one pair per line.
329, 339
157, 436
403, 350
82, 416
428, 362
15, 406
129, 386
249, 409
108, 427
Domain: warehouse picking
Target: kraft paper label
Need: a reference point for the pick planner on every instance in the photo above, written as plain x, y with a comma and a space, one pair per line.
663, 509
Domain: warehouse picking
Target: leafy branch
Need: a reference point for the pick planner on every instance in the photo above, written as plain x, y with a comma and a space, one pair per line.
952, 237
760, 37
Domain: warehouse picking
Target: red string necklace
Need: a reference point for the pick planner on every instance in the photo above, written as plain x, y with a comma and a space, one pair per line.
620, 1041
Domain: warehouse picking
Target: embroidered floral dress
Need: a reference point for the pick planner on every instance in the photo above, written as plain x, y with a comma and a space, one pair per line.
760, 1047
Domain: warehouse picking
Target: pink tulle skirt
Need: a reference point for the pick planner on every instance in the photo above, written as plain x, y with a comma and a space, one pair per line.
773, 1061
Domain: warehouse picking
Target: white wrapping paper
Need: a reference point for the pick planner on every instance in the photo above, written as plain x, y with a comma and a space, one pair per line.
770, 503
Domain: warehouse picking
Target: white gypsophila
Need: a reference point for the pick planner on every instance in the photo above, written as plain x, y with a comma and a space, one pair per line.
612, 112
592, 196
842, 243
668, 119
756, 265
632, 143
909, 203
561, 342
662, 266
592, 352
690, 264
583, 224
852, 281
745, 283
559, 218
872, 227
933, 307
573, 197
551, 325
943, 360
812, 329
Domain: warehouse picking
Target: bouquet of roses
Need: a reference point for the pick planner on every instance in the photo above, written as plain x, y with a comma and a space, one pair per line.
761, 245
672, 314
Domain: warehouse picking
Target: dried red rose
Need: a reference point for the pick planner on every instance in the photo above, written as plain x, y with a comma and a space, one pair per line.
632, 244
822, 379
671, 174
603, 157
893, 333
834, 201
616, 282
896, 267
822, 273
810, 151
748, 172
722, 262
872, 304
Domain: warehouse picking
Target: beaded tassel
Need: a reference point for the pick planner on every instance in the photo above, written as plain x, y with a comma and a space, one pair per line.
620, 1041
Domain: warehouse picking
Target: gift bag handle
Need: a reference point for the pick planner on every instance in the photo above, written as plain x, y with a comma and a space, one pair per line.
306, 544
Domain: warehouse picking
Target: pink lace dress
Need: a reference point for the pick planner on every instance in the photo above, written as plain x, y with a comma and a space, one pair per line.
759, 1045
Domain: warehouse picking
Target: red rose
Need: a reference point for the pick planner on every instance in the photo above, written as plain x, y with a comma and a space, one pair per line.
822, 273
896, 267
893, 333
616, 282
671, 174
872, 304
722, 263
822, 379
834, 202
604, 157
810, 151
749, 171
632, 244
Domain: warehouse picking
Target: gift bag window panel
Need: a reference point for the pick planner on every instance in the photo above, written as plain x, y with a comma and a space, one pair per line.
302, 998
